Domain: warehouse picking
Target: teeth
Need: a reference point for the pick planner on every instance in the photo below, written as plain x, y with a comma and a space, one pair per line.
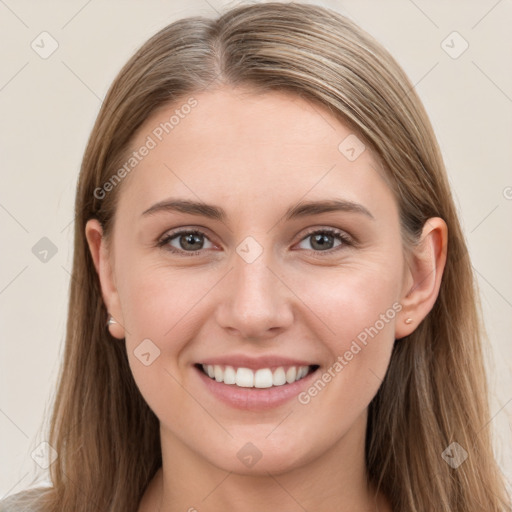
262, 378
229, 375
279, 377
244, 378
291, 374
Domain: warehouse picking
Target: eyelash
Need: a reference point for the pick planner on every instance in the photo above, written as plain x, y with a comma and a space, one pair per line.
163, 243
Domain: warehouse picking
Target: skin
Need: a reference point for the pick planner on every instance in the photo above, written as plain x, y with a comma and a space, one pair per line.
255, 156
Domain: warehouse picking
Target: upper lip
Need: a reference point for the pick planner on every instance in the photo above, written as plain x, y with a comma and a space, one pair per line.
254, 363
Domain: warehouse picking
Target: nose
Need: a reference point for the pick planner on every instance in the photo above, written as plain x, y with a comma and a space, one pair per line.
256, 303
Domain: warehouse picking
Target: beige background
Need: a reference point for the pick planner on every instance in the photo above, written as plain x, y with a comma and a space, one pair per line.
48, 108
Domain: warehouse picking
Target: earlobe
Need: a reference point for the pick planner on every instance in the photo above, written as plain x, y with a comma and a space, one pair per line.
423, 276
102, 264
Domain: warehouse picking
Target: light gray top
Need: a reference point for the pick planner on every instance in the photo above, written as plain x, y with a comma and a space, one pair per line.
24, 501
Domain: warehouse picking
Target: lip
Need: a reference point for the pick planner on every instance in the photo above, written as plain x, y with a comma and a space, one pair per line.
255, 363
255, 399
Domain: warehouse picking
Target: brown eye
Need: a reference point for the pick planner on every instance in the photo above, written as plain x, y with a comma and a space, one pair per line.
325, 240
190, 241
187, 242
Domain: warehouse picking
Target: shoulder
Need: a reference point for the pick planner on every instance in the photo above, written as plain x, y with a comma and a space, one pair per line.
25, 501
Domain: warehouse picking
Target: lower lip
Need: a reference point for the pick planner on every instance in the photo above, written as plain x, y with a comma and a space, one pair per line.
255, 399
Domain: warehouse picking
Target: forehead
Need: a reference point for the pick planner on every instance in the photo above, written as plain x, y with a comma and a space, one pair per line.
233, 146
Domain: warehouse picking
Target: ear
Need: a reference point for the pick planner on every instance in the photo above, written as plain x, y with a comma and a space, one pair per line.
422, 275
102, 257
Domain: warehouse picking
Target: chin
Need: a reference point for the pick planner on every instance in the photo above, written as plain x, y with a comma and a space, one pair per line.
259, 459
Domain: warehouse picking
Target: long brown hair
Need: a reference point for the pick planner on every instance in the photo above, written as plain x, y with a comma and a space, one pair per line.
435, 390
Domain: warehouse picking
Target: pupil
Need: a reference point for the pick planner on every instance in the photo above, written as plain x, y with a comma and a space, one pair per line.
190, 239
322, 240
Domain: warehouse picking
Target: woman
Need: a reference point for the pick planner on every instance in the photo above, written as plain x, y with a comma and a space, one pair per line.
265, 311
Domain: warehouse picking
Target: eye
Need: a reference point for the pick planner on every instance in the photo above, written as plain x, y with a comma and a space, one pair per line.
323, 240
189, 242
192, 242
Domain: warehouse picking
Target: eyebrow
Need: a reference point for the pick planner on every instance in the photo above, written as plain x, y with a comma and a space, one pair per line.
302, 209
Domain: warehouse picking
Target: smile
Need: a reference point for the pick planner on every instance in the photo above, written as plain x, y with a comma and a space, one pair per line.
260, 378
255, 383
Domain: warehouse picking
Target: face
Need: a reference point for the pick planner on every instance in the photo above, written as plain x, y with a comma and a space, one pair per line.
255, 282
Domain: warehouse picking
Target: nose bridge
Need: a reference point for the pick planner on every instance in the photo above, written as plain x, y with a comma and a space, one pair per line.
255, 287
253, 281
256, 301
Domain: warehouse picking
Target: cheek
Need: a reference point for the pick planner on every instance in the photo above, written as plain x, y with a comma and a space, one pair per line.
158, 302
357, 310
360, 310
354, 302
160, 307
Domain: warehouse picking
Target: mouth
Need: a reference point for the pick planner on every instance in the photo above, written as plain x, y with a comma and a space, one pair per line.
261, 378
258, 388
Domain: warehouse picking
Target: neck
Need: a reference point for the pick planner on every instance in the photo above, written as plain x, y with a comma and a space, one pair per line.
334, 480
